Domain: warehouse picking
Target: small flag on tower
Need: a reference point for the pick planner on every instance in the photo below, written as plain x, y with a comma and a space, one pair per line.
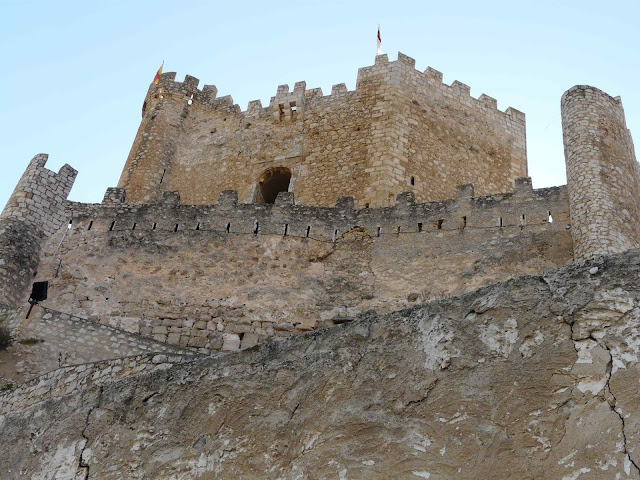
379, 42
157, 77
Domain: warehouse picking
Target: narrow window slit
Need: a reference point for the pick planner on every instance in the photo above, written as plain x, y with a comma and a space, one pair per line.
228, 228
500, 224
176, 227
256, 228
549, 217
154, 226
419, 227
308, 231
162, 177
198, 226
286, 229
522, 220
111, 227
134, 226
379, 231
90, 225
439, 223
413, 181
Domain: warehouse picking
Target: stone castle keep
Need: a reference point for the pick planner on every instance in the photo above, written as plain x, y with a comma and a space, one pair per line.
234, 229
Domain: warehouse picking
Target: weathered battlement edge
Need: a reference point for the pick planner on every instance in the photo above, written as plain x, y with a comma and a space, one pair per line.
524, 207
167, 85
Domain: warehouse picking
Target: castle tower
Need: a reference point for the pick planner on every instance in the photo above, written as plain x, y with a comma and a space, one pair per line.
400, 130
151, 157
602, 173
35, 210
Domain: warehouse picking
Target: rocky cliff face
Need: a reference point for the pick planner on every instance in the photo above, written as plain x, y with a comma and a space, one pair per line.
533, 378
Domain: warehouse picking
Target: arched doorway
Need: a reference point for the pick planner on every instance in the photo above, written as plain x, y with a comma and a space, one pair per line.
272, 182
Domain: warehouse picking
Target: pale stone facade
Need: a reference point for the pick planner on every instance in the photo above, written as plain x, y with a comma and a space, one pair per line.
399, 130
602, 173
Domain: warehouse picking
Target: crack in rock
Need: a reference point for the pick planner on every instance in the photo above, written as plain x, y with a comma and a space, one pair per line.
83, 464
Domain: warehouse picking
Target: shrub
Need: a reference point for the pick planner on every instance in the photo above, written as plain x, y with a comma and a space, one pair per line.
30, 341
5, 337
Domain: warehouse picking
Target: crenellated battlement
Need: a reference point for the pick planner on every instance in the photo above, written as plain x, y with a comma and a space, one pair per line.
39, 196
524, 209
188, 89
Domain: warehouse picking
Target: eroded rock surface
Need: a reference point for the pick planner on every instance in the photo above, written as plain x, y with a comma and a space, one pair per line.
535, 378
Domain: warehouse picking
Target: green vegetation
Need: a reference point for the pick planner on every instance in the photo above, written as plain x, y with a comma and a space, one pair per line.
30, 341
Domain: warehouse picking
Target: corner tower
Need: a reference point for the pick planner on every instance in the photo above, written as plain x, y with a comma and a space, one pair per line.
35, 210
602, 173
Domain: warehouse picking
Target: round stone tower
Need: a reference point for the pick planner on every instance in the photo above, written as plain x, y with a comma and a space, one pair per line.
602, 174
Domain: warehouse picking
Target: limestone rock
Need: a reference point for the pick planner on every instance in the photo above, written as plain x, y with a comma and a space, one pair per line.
490, 384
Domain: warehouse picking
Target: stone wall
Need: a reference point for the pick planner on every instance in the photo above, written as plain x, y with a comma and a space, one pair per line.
535, 378
72, 379
50, 339
399, 130
602, 173
231, 275
34, 211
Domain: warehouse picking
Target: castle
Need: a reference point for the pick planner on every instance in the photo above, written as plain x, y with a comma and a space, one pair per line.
230, 228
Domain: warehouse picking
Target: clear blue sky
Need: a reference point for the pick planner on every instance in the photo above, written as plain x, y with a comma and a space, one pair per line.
73, 74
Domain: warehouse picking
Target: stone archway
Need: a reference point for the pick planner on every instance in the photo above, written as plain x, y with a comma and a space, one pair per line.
272, 182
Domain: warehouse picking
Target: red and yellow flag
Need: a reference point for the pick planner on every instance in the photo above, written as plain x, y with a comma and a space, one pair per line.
157, 77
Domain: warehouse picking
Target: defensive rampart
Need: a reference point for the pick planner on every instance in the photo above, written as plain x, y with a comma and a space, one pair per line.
230, 275
399, 130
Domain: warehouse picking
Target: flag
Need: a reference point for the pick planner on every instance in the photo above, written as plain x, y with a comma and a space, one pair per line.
379, 42
157, 77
